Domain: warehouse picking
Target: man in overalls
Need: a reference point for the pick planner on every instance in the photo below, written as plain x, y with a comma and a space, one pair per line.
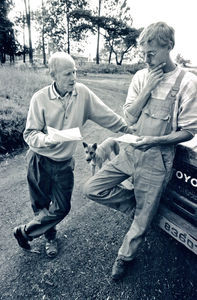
161, 105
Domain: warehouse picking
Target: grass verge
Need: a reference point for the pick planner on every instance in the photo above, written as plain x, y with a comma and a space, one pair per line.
16, 89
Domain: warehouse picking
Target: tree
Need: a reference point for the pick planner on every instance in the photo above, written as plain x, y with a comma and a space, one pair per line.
182, 61
28, 19
7, 39
59, 24
20, 21
39, 15
119, 40
43, 33
98, 34
120, 37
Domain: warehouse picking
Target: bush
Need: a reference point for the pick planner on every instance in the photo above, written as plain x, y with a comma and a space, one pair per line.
109, 68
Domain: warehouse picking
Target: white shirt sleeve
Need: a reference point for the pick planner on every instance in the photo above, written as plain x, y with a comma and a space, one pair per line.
187, 104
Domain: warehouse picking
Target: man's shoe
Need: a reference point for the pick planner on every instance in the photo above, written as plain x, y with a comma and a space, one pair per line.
51, 248
22, 241
119, 269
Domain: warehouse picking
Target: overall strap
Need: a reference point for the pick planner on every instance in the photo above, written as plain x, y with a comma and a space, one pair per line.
174, 90
172, 97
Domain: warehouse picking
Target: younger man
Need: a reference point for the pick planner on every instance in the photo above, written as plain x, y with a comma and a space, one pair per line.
161, 105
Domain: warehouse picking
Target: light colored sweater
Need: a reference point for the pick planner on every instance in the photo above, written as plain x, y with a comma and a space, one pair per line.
47, 108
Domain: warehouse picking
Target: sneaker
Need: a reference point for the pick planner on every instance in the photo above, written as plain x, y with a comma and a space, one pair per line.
119, 269
22, 241
51, 248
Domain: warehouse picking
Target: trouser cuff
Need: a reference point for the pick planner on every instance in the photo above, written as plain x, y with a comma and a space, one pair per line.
125, 258
51, 234
24, 233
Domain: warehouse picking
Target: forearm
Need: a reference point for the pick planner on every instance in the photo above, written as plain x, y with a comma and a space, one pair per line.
173, 138
104, 116
144, 143
35, 138
136, 106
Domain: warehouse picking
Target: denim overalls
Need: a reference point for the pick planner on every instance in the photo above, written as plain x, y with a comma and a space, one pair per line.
150, 172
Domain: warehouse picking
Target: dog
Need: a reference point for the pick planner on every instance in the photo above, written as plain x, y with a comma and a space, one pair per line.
98, 154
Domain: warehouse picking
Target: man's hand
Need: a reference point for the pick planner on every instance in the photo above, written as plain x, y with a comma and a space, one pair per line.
155, 75
131, 130
50, 142
144, 143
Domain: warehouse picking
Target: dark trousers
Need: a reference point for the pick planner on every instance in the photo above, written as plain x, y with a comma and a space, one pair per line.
50, 186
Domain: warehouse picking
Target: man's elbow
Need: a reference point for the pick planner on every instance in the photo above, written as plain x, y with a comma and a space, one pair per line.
184, 135
189, 135
130, 119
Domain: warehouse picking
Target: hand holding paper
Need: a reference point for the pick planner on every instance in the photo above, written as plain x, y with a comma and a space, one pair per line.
49, 141
128, 138
58, 136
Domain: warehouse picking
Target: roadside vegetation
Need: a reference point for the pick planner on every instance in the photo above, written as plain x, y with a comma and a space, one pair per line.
16, 88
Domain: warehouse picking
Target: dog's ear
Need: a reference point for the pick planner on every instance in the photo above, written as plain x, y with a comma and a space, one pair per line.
94, 146
85, 145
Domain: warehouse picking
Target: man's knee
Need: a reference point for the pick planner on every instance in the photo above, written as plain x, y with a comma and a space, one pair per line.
65, 210
88, 189
61, 212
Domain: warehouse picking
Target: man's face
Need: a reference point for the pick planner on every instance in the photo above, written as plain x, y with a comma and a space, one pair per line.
65, 76
154, 54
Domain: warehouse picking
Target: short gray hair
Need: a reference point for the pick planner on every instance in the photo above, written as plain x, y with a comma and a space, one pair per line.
161, 32
55, 60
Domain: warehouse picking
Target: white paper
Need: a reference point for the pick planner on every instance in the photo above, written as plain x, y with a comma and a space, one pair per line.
127, 138
72, 134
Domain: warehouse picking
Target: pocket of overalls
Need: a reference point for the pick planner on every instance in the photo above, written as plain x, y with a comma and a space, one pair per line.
155, 121
153, 161
156, 113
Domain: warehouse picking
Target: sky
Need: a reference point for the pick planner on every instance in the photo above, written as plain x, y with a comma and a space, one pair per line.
180, 14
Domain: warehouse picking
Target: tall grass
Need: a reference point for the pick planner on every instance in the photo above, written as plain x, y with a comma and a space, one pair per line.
19, 85
16, 89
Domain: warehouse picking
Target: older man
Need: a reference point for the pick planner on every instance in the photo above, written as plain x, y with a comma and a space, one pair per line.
161, 105
62, 105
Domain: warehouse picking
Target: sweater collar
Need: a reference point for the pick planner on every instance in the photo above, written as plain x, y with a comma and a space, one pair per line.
53, 94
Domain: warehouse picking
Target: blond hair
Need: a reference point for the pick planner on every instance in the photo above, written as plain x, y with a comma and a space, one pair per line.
161, 32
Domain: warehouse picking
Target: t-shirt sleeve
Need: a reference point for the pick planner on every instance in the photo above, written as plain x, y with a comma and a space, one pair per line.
187, 110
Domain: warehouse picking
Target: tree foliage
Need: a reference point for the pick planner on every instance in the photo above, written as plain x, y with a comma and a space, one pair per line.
28, 20
7, 40
182, 61
119, 36
59, 26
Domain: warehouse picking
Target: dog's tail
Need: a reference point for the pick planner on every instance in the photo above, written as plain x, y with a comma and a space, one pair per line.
116, 148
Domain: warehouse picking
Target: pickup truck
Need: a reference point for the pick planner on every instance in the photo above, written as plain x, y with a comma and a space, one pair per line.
177, 214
